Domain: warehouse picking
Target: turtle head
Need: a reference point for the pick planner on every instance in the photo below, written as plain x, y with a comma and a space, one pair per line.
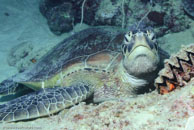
140, 52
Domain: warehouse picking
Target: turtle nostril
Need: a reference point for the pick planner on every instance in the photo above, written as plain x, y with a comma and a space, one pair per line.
129, 47
124, 49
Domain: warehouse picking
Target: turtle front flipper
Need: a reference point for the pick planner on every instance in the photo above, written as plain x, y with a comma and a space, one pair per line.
8, 86
44, 102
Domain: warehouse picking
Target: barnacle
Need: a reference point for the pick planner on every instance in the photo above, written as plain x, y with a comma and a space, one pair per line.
177, 71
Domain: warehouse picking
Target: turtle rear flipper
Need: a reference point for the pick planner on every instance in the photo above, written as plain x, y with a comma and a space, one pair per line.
43, 103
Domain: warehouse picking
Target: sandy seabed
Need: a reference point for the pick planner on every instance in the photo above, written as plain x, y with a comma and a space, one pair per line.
173, 111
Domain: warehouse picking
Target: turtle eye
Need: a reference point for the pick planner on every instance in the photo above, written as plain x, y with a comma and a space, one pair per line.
151, 35
128, 38
130, 33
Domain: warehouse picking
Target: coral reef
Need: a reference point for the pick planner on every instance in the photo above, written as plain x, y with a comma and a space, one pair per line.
63, 15
172, 16
165, 16
189, 7
87, 9
109, 13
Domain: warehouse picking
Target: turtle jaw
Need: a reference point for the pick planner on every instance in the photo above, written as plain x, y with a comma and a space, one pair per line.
140, 61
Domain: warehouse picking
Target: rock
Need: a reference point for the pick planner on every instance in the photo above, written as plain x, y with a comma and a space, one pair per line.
18, 54
46, 5
24, 55
109, 13
156, 17
60, 16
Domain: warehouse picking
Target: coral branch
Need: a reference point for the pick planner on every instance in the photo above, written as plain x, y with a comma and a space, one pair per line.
123, 13
82, 12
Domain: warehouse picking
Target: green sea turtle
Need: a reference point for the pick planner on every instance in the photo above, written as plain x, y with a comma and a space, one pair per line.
104, 62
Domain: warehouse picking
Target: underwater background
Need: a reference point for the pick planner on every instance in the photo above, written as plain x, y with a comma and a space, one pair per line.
30, 28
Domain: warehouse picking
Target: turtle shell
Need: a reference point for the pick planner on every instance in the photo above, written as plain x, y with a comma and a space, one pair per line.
76, 47
70, 51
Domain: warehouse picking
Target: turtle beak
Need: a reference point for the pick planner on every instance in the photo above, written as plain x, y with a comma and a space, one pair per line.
141, 41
